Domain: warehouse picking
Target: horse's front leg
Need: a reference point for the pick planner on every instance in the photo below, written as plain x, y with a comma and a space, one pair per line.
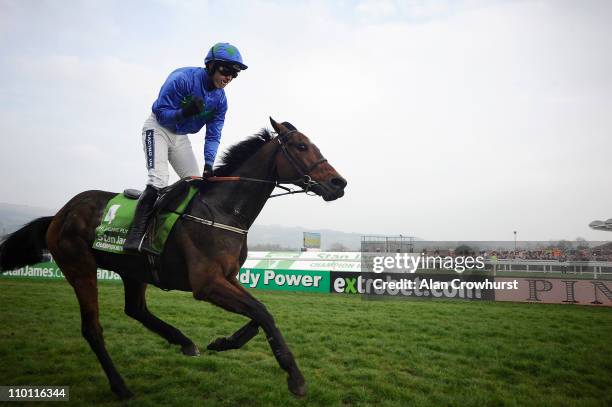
234, 298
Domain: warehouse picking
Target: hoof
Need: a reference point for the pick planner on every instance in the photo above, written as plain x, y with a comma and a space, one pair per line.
297, 386
219, 345
190, 350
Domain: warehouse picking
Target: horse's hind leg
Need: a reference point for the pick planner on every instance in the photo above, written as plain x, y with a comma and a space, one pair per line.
86, 290
237, 340
233, 297
136, 307
69, 238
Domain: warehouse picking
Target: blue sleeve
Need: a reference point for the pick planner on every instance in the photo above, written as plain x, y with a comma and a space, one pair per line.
167, 107
213, 133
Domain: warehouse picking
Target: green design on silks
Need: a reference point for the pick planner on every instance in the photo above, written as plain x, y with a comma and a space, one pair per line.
205, 114
119, 215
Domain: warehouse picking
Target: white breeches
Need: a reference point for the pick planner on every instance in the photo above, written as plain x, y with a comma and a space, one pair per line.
160, 145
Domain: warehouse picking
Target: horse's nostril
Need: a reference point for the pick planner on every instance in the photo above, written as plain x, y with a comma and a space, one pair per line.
339, 183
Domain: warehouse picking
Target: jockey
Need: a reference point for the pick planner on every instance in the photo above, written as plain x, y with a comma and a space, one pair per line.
189, 99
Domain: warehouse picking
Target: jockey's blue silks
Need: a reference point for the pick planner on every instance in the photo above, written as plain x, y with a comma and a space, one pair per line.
181, 86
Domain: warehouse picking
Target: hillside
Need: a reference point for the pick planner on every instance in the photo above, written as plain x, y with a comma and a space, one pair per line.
291, 237
12, 217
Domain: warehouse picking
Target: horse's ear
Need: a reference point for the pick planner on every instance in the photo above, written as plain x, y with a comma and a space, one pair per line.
278, 128
289, 126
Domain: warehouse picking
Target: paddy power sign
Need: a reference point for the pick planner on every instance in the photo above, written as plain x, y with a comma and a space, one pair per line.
285, 280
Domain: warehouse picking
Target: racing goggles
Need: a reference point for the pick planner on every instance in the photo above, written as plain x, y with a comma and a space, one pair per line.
227, 70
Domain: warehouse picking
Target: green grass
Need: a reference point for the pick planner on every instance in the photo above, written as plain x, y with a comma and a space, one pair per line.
352, 352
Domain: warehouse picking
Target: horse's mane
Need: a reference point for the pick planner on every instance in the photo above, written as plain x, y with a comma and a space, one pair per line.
242, 151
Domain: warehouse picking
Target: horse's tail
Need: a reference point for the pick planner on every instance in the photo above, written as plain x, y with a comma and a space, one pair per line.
24, 246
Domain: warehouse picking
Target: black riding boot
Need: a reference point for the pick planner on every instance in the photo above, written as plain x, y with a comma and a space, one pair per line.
139, 226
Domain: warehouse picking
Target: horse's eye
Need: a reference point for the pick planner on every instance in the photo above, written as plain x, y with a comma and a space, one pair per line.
301, 147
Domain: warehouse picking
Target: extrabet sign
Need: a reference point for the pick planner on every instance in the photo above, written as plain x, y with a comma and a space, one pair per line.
287, 280
348, 283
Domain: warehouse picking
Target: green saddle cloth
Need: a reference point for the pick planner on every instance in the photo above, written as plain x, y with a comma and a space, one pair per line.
119, 214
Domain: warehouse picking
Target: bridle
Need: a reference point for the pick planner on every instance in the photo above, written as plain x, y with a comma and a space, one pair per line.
304, 172
304, 178
299, 167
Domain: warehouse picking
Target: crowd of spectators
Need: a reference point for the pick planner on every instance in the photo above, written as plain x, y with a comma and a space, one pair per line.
603, 253
553, 254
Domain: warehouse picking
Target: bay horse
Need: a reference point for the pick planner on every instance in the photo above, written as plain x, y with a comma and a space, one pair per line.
202, 259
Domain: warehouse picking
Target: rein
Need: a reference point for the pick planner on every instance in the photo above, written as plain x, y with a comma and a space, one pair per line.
306, 180
297, 165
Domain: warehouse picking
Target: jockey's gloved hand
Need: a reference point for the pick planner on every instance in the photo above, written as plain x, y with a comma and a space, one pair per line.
194, 107
208, 171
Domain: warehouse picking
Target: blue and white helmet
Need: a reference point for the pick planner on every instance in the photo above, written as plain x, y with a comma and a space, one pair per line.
225, 52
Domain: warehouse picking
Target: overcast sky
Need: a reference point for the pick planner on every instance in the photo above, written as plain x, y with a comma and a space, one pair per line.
449, 119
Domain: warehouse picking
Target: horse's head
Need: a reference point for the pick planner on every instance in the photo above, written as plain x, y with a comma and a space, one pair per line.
300, 162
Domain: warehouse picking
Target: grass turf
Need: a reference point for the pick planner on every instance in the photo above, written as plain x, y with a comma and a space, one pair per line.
352, 352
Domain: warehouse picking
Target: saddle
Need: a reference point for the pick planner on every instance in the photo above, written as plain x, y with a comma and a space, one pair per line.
171, 203
118, 216
132, 193
167, 195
